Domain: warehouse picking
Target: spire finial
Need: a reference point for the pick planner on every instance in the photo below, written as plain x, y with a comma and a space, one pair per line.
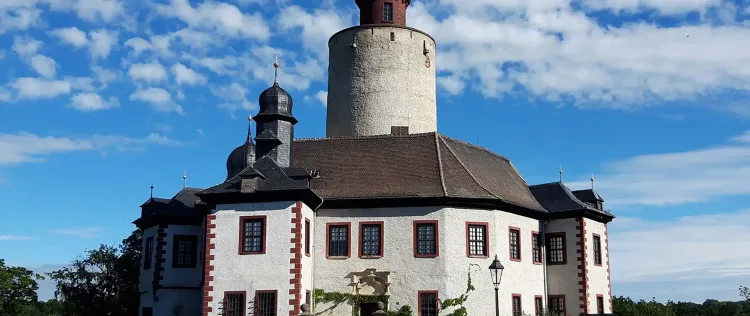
561, 173
276, 65
152, 190
592, 181
184, 179
249, 128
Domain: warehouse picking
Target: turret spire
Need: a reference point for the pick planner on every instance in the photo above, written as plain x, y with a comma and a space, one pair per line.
276, 66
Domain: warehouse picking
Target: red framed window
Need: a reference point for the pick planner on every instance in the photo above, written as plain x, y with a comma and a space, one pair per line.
556, 252
536, 248
476, 239
184, 251
307, 237
148, 253
428, 303
597, 250
234, 303
557, 303
338, 241
516, 305
426, 239
252, 235
538, 306
370, 239
265, 303
514, 238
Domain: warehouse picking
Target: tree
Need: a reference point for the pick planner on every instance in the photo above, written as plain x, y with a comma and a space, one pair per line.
745, 293
17, 288
103, 282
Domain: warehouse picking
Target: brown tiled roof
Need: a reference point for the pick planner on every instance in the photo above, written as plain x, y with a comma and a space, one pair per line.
416, 165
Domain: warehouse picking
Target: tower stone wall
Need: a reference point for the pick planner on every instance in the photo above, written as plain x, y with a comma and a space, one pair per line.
380, 77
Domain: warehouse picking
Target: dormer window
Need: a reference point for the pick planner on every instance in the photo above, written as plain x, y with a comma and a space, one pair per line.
388, 12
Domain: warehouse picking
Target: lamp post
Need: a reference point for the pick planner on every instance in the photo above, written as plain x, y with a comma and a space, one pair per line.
496, 272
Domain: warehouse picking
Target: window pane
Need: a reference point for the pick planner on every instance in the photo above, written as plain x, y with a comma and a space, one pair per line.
556, 249
515, 252
265, 304
388, 12
426, 240
234, 305
535, 248
371, 240
516, 306
477, 240
338, 240
428, 304
253, 232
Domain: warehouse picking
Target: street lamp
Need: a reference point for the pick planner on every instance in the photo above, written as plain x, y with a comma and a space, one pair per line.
496, 272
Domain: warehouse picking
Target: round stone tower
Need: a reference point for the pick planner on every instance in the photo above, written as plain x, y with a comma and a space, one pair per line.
381, 75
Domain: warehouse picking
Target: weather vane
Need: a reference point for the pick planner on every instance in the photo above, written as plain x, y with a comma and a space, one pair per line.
561, 172
592, 181
184, 179
152, 190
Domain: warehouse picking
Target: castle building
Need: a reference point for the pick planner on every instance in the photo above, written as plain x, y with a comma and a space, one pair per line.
384, 208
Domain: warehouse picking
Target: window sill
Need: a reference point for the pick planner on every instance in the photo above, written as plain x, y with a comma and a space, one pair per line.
386, 22
252, 253
370, 257
556, 263
337, 257
597, 265
425, 256
515, 260
478, 256
537, 263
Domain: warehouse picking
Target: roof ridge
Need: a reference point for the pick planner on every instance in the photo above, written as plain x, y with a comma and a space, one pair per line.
365, 136
440, 165
477, 147
469, 172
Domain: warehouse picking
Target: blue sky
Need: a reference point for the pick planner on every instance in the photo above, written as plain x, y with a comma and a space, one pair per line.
98, 99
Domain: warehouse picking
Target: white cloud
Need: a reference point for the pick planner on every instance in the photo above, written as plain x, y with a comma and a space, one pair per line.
675, 243
80, 83
78, 232
744, 138
18, 18
159, 98
25, 147
152, 72
104, 76
235, 97
37, 88
317, 27
549, 51
93, 10
71, 35
15, 238
677, 178
185, 75
25, 46
320, 96
43, 65
101, 44
92, 102
225, 18
138, 45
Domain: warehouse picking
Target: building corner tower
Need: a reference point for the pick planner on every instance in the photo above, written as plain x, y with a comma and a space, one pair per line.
381, 75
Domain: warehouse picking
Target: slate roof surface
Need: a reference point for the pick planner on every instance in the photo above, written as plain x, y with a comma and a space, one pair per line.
415, 165
557, 197
587, 195
181, 204
271, 176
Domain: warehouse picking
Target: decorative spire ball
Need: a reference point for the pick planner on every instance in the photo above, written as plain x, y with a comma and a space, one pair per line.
561, 173
592, 181
276, 65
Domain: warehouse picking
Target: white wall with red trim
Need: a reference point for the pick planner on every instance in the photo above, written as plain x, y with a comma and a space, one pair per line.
563, 278
598, 275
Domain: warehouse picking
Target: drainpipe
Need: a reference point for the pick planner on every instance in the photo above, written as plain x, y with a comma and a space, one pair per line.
543, 249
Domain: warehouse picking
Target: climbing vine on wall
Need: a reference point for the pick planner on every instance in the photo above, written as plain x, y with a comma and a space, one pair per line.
336, 298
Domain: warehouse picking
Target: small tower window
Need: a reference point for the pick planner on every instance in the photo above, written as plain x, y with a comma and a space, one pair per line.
399, 130
388, 12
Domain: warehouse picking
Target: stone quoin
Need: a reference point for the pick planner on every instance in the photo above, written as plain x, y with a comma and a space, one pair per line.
384, 209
